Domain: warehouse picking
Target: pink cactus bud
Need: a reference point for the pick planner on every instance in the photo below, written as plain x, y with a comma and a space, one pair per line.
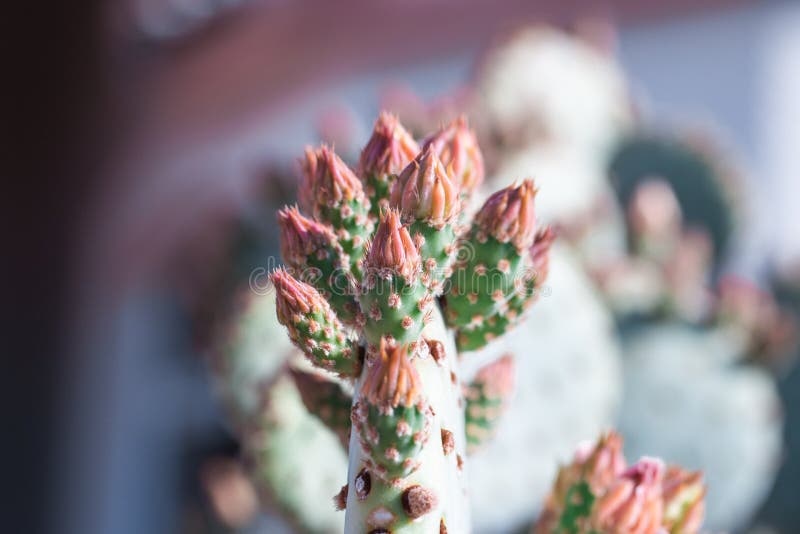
327, 181
684, 500
392, 248
294, 297
457, 148
633, 503
424, 191
602, 464
540, 254
301, 236
392, 379
509, 216
497, 378
389, 149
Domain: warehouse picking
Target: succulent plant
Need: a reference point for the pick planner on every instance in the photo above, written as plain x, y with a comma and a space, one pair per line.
374, 309
598, 493
381, 302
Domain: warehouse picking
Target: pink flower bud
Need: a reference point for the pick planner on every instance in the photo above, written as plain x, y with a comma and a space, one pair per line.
327, 182
389, 149
509, 216
301, 236
424, 191
294, 297
458, 150
392, 248
633, 503
391, 378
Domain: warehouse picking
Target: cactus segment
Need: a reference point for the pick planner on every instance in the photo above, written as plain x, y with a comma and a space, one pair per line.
429, 202
392, 417
526, 291
314, 256
597, 494
490, 265
327, 400
389, 150
393, 298
457, 148
332, 194
313, 325
487, 398
634, 501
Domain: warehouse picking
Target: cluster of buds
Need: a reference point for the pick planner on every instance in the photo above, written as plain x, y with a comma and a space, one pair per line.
366, 306
599, 493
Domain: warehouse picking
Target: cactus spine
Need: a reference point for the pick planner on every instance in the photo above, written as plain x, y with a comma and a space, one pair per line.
365, 306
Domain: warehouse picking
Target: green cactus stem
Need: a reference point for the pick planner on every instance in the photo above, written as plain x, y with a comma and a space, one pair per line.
327, 400
393, 298
436, 480
333, 195
407, 440
492, 261
392, 418
429, 203
527, 290
314, 255
387, 153
487, 398
313, 325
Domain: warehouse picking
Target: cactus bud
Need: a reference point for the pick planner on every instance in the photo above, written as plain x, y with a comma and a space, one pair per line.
314, 254
312, 324
458, 150
487, 400
684, 500
387, 153
392, 379
332, 193
508, 216
633, 503
327, 182
593, 469
302, 237
392, 418
429, 202
424, 191
392, 248
393, 298
490, 287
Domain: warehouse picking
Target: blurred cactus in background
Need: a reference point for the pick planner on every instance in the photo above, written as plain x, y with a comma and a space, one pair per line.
598, 493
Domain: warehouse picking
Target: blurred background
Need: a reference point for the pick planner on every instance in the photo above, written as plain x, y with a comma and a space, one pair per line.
152, 141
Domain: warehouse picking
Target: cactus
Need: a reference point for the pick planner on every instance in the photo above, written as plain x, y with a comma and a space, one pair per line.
597, 493
374, 309
487, 398
380, 301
